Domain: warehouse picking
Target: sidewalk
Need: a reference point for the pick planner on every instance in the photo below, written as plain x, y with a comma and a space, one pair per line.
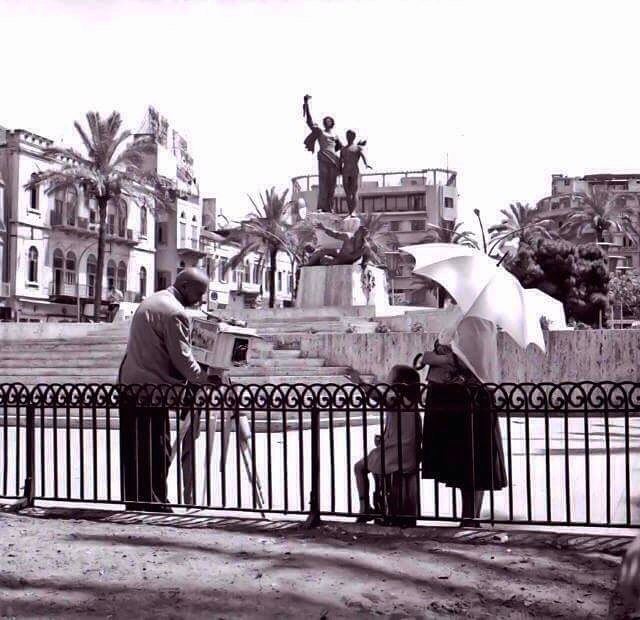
88, 563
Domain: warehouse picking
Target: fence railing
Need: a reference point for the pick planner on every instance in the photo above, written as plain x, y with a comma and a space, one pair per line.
569, 450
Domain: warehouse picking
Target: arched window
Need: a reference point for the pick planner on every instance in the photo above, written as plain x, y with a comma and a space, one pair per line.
122, 218
70, 268
143, 221
33, 264
122, 277
92, 268
111, 275
143, 282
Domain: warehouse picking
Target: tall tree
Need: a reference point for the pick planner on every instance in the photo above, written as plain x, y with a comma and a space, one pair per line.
596, 213
265, 232
522, 222
110, 169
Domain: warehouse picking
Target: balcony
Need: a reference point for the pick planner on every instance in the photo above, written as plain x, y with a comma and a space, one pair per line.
62, 290
375, 180
191, 248
58, 290
126, 237
78, 225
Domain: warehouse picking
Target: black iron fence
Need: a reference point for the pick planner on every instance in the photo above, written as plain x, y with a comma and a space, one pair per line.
569, 451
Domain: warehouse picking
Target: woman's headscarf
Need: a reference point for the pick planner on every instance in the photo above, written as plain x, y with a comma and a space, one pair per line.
475, 342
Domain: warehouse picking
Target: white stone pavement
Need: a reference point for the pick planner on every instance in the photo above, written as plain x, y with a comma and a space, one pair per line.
284, 489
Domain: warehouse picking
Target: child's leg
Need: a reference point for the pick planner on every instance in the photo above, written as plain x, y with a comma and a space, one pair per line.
362, 484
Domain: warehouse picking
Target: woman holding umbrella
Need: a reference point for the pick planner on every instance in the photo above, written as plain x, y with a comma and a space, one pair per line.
462, 444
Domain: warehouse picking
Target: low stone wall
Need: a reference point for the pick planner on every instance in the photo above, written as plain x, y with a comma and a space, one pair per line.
589, 355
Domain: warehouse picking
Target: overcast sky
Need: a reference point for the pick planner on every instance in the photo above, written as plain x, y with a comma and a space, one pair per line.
509, 92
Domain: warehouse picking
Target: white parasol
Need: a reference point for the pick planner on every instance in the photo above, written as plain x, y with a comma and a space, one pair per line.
481, 288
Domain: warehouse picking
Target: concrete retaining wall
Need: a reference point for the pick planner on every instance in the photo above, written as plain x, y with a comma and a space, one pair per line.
589, 355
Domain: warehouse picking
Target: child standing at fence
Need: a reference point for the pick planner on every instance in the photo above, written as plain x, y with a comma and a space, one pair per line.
397, 449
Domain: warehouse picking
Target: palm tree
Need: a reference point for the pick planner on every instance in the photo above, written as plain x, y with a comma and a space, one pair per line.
520, 221
380, 239
110, 169
265, 232
455, 234
596, 213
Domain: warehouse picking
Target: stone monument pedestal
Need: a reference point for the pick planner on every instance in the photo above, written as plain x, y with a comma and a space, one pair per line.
342, 285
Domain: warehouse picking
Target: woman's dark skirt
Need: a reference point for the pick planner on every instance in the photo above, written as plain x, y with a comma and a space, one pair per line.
457, 451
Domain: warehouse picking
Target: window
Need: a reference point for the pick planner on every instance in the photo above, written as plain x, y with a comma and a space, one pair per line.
234, 275
222, 267
143, 221
378, 203
290, 282
279, 281
111, 275
394, 225
163, 280
448, 203
194, 237
162, 233
247, 272
33, 264
143, 282
417, 225
92, 268
367, 204
92, 215
71, 212
416, 202
58, 271
208, 266
256, 273
122, 219
183, 235
34, 203
122, 276
111, 224
70, 269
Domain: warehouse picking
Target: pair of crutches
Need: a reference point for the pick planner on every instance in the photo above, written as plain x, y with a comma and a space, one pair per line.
231, 420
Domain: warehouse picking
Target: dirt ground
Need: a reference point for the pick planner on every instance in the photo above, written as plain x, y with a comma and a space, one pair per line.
112, 565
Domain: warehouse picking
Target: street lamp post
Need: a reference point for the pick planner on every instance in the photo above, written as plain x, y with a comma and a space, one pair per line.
86, 249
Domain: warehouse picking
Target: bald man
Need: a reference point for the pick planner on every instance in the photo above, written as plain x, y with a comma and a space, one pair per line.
158, 353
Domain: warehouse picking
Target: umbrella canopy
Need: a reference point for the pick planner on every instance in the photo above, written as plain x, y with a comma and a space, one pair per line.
481, 288
547, 306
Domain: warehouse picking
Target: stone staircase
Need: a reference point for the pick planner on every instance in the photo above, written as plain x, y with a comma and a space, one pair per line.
95, 358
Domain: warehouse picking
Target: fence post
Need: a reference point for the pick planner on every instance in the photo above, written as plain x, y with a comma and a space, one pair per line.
313, 520
28, 498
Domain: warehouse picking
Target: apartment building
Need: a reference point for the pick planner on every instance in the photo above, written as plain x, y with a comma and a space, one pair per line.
409, 201
623, 251
246, 286
48, 247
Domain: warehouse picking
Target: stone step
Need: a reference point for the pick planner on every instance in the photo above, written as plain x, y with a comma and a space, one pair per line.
274, 321
291, 362
64, 346
293, 379
256, 371
261, 354
18, 359
70, 369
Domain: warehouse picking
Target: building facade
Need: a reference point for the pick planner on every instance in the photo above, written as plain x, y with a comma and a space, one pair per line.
623, 251
49, 241
409, 201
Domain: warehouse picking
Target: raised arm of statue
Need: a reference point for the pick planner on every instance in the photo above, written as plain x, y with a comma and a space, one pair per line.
307, 112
